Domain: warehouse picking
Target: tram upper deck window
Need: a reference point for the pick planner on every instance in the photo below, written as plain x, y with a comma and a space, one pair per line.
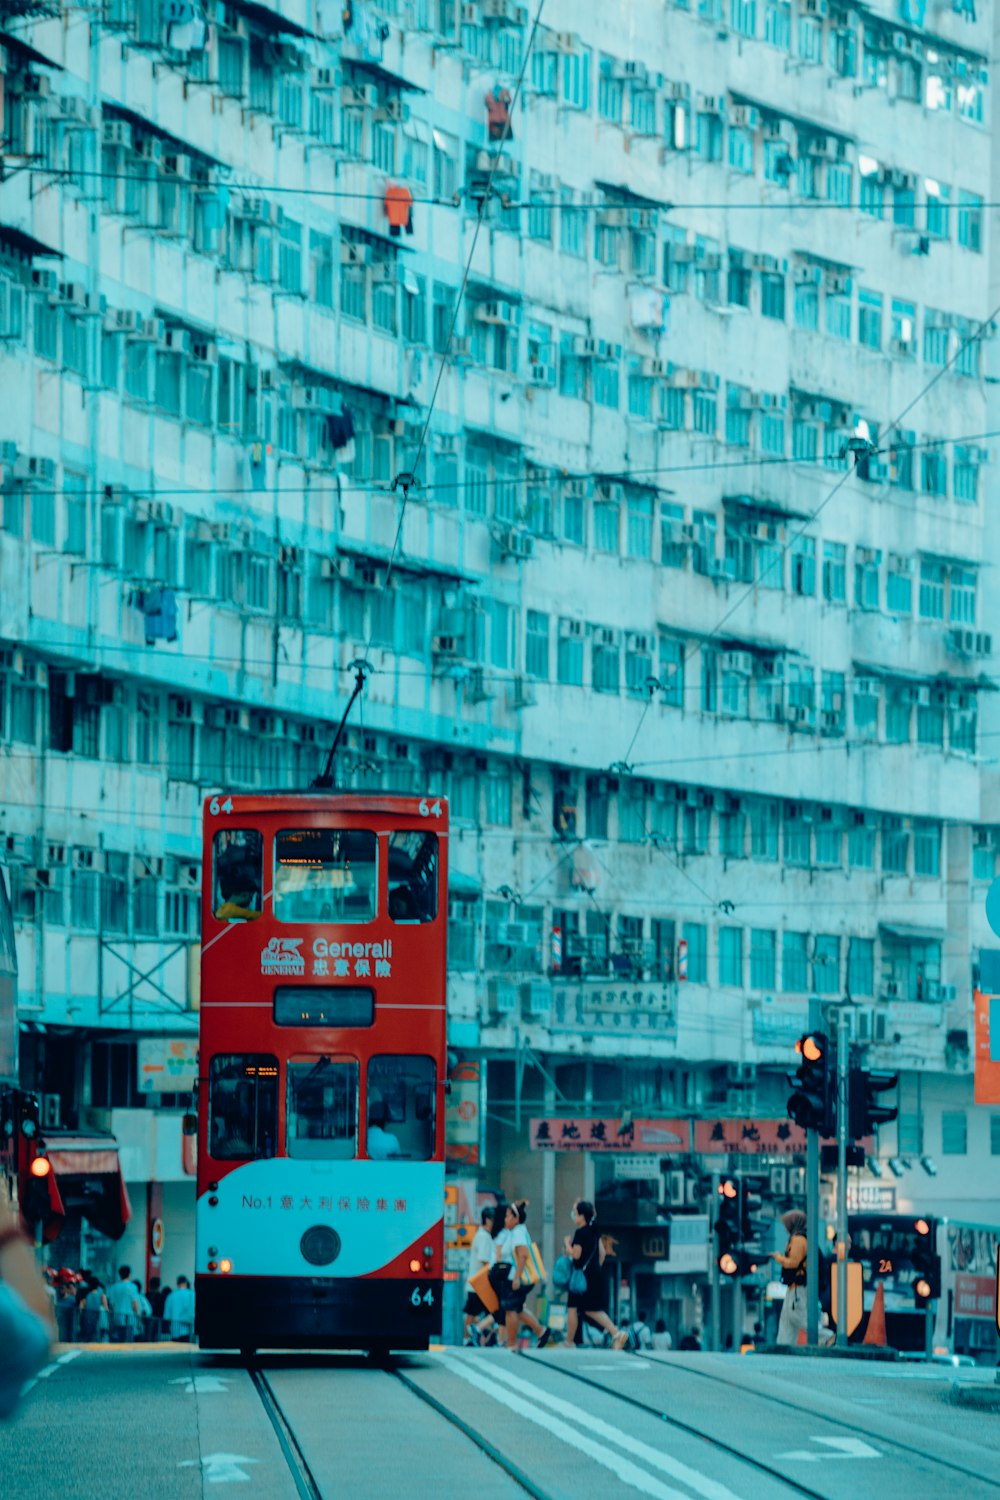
413, 876
321, 1112
237, 874
242, 1106
324, 875
401, 1100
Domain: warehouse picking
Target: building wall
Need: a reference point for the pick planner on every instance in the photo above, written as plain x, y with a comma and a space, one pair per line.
649, 625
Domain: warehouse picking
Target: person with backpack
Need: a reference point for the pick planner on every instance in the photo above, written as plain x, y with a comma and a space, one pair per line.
640, 1335
510, 1277
586, 1287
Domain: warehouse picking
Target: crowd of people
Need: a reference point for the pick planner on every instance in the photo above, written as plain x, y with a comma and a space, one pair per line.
90, 1312
503, 1256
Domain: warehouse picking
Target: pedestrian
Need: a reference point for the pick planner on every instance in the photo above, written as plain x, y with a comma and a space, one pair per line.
178, 1311
123, 1306
794, 1309
158, 1294
640, 1335
585, 1249
27, 1324
512, 1287
93, 1312
481, 1253
145, 1312
661, 1338
690, 1342
381, 1142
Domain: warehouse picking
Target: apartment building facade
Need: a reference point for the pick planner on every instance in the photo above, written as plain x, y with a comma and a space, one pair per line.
680, 597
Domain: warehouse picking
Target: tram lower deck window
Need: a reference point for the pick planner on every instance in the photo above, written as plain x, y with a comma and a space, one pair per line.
401, 1107
242, 1106
321, 1111
324, 875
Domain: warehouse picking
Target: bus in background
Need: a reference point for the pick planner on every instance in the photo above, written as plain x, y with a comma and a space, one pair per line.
320, 1200
940, 1267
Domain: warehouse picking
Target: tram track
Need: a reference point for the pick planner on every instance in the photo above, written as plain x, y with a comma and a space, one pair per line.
760, 1464
298, 1466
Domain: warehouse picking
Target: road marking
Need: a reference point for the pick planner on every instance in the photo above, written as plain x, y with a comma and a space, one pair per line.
200, 1385
527, 1405
849, 1448
220, 1468
64, 1359
620, 1365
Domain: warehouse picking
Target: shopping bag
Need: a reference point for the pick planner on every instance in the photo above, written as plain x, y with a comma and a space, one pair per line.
483, 1288
533, 1270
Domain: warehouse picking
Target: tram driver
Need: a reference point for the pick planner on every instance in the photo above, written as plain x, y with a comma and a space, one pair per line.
381, 1142
237, 881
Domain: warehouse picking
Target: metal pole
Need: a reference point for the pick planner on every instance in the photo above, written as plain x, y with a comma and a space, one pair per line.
842, 1065
713, 1267
812, 1207
930, 1316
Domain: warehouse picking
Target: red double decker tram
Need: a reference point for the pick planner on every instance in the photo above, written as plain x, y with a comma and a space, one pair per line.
322, 1063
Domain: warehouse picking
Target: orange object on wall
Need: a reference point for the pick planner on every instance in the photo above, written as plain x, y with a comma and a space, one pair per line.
987, 1061
399, 208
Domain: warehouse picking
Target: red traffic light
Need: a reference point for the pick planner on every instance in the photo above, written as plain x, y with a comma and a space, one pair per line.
728, 1264
922, 1226
922, 1287
728, 1188
810, 1047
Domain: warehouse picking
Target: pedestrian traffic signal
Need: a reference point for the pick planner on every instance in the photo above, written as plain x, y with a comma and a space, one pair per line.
813, 1105
753, 1224
727, 1227
926, 1264
35, 1196
865, 1113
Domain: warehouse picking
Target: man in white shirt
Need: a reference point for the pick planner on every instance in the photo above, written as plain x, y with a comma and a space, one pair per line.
381, 1142
123, 1307
178, 1311
481, 1253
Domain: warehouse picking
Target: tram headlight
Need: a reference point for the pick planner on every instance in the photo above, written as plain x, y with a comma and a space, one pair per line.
428, 1250
225, 1266
414, 1265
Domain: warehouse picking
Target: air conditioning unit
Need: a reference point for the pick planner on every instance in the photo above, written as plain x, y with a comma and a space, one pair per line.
35, 470
543, 375
537, 998
737, 661
479, 687
495, 312
745, 116
359, 96
503, 997
50, 1111
515, 543
522, 693
148, 148
117, 133
448, 646
177, 340
891, 990
949, 993
46, 282
152, 330
75, 111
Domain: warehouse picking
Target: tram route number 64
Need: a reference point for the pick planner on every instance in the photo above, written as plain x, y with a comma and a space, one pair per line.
215, 806
429, 809
427, 1298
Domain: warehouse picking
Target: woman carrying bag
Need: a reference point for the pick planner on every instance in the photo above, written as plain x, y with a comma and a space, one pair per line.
512, 1276
586, 1283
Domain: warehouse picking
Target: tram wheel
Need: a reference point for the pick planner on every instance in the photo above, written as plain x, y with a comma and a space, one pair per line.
379, 1354
248, 1352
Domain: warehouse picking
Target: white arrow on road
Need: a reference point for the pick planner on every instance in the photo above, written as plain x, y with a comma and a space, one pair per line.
199, 1385
220, 1468
848, 1448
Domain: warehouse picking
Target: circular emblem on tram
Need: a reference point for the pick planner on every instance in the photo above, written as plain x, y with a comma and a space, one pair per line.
320, 1245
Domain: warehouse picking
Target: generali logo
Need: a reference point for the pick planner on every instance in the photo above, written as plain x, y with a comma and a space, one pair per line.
282, 956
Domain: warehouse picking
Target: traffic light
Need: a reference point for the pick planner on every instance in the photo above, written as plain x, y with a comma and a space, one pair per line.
813, 1105
926, 1264
753, 1224
727, 1227
36, 1194
864, 1112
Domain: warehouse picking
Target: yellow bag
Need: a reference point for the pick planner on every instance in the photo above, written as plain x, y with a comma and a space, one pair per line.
533, 1270
483, 1288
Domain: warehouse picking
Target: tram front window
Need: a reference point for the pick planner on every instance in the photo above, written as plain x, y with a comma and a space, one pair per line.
237, 874
324, 875
413, 876
401, 1100
321, 1111
242, 1106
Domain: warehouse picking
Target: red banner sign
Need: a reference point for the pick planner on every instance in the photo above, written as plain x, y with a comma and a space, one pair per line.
562, 1134
987, 1008
975, 1297
754, 1137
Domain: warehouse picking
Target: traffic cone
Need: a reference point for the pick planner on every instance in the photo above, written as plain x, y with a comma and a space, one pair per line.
875, 1332
802, 1339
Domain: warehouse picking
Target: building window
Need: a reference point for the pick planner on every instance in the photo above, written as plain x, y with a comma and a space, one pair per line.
569, 659
696, 937
835, 572
762, 949
954, 1132
970, 220
605, 664
764, 826
731, 956
931, 596
861, 966
795, 962
826, 964
778, 24
536, 647
740, 150
772, 296
938, 209
934, 472
927, 849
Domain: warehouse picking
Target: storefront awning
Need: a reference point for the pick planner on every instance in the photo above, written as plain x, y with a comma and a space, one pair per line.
907, 934
86, 1179
463, 887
